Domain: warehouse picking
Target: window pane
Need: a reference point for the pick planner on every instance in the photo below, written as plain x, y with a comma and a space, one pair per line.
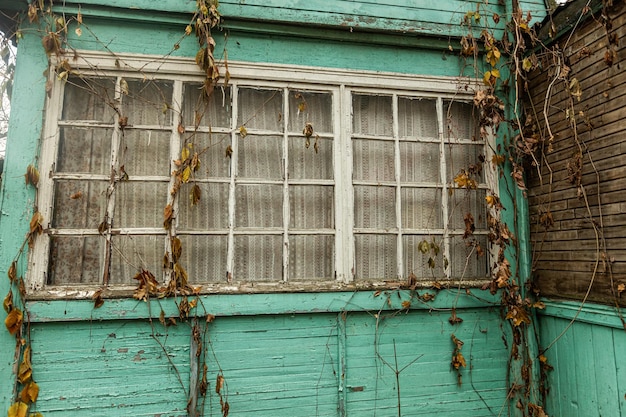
467, 262
372, 115
79, 204
467, 157
374, 207
76, 260
306, 163
130, 254
311, 207
145, 152
417, 118
84, 150
198, 110
460, 121
419, 162
259, 206
258, 258
418, 263
140, 204
211, 148
210, 213
260, 109
311, 258
315, 108
147, 102
462, 202
204, 257
261, 157
376, 257
421, 208
89, 99
373, 160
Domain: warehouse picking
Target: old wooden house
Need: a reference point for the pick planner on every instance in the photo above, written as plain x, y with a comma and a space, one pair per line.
280, 208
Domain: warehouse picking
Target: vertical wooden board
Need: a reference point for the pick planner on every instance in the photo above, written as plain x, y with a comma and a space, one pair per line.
549, 330
619, 347
275, 365
583, 365
605, 370
428, 386
110, 368
567, 372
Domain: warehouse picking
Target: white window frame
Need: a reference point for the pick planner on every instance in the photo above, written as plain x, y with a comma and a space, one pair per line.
341, 83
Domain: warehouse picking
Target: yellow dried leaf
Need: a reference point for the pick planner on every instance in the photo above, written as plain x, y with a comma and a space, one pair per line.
12, 273
30, 392
168, 217
195, 194
406, 305
25, 371
8, 302
18, 409
186, 174
219, 384
177, 249
32, 176
188, 30
13, 321
243, 131
184, 154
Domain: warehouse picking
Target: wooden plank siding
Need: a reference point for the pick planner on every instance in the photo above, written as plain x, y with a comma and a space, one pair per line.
589, 377
565, 254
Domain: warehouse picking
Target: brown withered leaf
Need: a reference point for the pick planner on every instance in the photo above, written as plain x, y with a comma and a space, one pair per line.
177, 249
13, 321
51, 43
147, 287
25, 371
29, 393
7, 304
33, 15
168, 217
97, 298
454, 319
469, 225
210, 318
517, 315
406, 304
180, 129
76, 195
36, 228
12, 273
229, 151
18, 409
195, 194
32, 176
426, 297
620, 289
219, 383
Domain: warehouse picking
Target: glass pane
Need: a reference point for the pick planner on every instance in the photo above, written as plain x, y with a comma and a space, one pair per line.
204, 258
311, 258
468, 258
261, 109
306, 163
311, 207
373, 160
261, 157
89, 99
145, 152
462, 202
419, 162
460, 121
417, 118
315, 108
130, 254
258, 258
372, 115
84, 150
140, 204
425, 266
421, 208
259, 206
374, 207
198, 110
79, 204
467, 157
147, 102
211, 148
76, 260
210, 213
376, 257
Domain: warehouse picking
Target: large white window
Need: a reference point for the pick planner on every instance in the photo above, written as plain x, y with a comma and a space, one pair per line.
293, 178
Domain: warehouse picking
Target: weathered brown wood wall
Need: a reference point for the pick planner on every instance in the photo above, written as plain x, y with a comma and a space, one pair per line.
578, 216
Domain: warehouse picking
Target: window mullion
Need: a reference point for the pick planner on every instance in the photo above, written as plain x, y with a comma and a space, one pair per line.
285, 161
230, 253
444, 192
344, 194
396, 136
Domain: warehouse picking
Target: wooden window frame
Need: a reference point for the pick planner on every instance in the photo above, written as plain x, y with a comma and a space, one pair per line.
338, 82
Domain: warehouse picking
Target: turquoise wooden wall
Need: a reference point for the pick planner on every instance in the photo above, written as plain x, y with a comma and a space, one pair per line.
589, 376
280, 354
